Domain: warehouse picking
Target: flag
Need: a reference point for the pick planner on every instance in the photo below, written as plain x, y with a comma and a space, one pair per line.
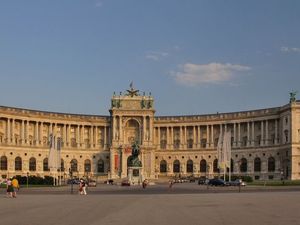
58, 148
220, 153
227, 148
52, 160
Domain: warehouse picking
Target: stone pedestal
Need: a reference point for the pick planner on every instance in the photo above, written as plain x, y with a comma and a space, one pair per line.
135, 175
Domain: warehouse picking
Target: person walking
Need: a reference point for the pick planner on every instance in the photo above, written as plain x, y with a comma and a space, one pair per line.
16, 186
82, 187
171, 182
9, 188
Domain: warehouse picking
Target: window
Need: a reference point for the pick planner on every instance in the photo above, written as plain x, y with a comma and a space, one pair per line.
62, 165
215, 166
271, 164
45, 165
3, 163
73, 142
190, 143
189, 166
243, 165
203, 166
177, 144
203, 143
73, 165
100, 166
163, 166
87, 165
257, 165
18, 164
176, 166
163, 144
32, 164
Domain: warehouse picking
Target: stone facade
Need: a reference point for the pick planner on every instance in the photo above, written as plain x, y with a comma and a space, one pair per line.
265, 143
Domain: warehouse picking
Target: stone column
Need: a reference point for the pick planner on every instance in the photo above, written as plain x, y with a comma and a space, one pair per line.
105, 137
212, 137
36, 133
8, 131
92, 136
158, 137
194, 137
82, 133
207, 136
151, 129
248, 134
23, 132
64, 135
199, 137
144, 129
78, 136
41, 133
234, 135
27, 132
181, 137
69, 134
172, 137
267, 134
253, 135
13, 131
185, 137
276, 132
168, 137
239, 134
120, 128
262, 139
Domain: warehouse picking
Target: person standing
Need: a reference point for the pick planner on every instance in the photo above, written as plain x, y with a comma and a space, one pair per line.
16, 186
9, 188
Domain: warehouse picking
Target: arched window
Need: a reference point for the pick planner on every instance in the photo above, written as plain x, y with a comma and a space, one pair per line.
62, 165
3, 163
32, 164
243, 166
100, 166
215, 166
176, 166
189, 166
257, 165
271, 164
45, 164
163, 166
203, 166
73, 165
18, 163
87, 165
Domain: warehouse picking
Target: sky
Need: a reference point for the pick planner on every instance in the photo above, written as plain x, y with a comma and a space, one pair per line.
194, 56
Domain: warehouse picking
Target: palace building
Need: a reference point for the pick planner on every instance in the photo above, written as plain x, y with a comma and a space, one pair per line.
265, 142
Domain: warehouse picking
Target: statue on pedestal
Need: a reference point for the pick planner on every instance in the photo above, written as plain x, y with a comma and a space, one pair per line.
133, 160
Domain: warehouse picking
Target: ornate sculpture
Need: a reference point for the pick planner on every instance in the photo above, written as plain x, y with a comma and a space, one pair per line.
133, 160
293, 96
132, 92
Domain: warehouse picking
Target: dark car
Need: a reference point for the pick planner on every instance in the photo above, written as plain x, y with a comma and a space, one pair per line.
73, 181
217, 182
92, 183
125, 183
202, 180
237, 182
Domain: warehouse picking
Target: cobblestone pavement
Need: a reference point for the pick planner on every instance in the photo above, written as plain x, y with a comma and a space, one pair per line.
187, 204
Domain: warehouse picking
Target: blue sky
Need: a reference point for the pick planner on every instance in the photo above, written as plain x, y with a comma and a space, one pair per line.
194, 56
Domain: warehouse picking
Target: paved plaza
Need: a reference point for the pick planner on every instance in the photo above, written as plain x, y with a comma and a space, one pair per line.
185, 204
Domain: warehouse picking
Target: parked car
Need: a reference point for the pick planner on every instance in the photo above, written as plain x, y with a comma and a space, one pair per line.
125, 183
216, 182
202, 180
73, 181
237, 182
92, 183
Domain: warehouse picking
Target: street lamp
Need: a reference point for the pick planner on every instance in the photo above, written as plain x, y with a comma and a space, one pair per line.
27, 179
71, 178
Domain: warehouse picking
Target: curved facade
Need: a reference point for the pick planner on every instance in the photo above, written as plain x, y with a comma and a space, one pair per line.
265, 143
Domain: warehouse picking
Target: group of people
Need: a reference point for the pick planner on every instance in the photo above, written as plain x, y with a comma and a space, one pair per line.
12, 186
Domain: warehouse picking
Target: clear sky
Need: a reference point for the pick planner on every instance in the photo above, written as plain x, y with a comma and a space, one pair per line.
194, 56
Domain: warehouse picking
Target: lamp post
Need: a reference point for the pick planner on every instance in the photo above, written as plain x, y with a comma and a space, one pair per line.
71, 178
207, 170
27, 179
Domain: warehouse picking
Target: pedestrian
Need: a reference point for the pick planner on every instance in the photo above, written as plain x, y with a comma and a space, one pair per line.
9, 188
16, 186
145, 183
82, 187
171, 182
